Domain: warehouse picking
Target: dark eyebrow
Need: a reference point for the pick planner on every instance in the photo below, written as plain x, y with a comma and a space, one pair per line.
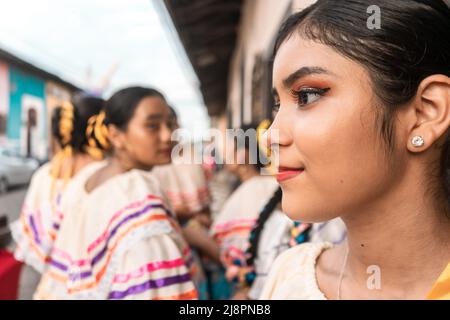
154, 117
302, 72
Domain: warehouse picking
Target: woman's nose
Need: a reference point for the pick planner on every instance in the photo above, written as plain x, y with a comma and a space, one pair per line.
166, 133
277, 133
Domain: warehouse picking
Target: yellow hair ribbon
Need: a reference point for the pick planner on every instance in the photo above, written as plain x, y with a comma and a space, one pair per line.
441, 289
95, 152
97, 133
66, 125
260, 130
101, 131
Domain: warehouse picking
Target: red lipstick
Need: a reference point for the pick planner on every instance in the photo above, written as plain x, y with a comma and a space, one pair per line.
287, 173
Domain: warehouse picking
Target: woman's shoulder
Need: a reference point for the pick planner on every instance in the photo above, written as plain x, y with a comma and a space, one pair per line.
293, 275
41, 175
126, 187
77, 185
304, 254
88, 170
44, 169
130, 200
41, 187
137, 181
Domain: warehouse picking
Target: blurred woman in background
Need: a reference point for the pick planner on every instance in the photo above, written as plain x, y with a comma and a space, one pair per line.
38, 225
232, 227
185, 186
122, 242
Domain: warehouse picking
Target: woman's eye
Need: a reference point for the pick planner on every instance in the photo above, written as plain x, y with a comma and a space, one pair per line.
309, 95
153, 126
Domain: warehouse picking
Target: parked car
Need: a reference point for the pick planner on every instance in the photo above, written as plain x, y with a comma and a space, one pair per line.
15, 169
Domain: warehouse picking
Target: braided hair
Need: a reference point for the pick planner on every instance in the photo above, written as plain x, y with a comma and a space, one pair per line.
256, 232
299, 233
117, 111
97, 135
69, 122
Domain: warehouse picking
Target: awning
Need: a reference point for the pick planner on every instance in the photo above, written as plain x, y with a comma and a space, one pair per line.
208, 30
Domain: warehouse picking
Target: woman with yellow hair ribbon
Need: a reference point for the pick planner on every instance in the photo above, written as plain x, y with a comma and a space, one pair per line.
118, 239
38, 225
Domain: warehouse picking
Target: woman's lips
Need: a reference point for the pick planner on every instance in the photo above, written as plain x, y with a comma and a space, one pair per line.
287, 173
166, 152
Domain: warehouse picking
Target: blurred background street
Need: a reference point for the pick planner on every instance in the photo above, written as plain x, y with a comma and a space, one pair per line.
11, 202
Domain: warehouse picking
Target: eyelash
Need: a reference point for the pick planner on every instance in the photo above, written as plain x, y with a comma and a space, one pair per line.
298, 95
152, 126
304, 92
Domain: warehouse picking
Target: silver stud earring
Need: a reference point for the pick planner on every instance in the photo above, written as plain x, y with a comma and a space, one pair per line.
417, 141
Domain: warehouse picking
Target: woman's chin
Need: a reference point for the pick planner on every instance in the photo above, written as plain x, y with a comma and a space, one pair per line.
163, 160
304, 212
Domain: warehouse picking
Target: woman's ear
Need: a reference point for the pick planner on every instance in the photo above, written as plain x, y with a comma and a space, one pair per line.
116, 137
432, 113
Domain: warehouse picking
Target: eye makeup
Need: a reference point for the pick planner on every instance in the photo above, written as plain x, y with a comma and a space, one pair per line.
308, 95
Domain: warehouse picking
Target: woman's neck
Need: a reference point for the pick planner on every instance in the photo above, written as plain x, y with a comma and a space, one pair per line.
80, 161
113, 168
122, 164
403, 237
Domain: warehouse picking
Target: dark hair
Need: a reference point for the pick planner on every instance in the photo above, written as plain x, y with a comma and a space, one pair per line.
173, 113
412, 44
84, 107
256, 232
121, 106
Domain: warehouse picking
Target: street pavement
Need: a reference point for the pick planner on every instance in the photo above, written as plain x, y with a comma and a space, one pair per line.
11, 203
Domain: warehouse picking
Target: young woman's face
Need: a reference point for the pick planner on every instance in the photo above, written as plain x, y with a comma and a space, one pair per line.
147, 140
332, 159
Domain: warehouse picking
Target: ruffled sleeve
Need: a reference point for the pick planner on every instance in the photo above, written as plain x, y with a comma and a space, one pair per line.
34, 232
184, 186
155, 269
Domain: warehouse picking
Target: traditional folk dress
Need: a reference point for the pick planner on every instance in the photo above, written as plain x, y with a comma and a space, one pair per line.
332, 231
184, 185
275, 239
36, 229
233, 225
293, 275
119, 242
278, 234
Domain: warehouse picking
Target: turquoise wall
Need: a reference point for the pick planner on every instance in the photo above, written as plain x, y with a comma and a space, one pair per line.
21, 83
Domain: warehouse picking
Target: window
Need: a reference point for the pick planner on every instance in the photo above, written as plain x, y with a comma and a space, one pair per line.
2, 124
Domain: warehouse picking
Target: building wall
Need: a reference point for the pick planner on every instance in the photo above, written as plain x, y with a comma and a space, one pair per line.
20, 91
27, 92
250, 76
4, 99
